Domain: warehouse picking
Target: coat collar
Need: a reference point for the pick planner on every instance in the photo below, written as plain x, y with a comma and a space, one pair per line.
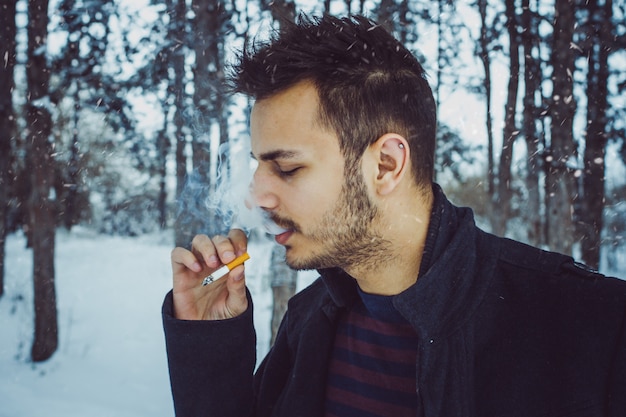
448, 286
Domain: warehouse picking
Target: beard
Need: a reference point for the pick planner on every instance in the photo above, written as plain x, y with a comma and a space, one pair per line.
344, 237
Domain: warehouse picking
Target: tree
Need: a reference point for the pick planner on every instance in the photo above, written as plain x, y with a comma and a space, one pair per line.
385, 14
205, 43
71, 62
280, 9
598, 35
41, 204
7, 118
170, 63
530, 115
504, 192
484, 45
209, 27
560, 187
78, 85
177, 51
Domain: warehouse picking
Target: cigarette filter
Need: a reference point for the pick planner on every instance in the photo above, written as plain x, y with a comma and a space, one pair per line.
225, 269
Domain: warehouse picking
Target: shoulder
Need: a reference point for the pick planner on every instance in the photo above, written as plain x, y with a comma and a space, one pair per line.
522, 256
551, 274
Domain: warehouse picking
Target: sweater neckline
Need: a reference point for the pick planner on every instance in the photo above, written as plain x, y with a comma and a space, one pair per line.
381, 307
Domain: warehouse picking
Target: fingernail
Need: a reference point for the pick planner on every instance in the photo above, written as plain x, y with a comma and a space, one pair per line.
213, 261
196, 267
228, 256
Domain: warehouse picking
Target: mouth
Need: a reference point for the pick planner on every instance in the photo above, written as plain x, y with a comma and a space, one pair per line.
281, 234
272, 228
282, 238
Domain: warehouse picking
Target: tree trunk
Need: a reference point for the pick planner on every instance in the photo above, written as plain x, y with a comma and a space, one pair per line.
282, 10
72, 210
532, 81
205, 48
163, 149
486, 61
559, 180
220, 102
326, 6
7, 119
502, 204
178, 34
600, 29
385, 15
42, 219
440, 57
71, 60
195, 217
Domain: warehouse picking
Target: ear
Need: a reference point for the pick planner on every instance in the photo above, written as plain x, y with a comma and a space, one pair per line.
391, 153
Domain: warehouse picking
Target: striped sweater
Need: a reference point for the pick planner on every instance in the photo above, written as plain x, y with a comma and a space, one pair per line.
372, 367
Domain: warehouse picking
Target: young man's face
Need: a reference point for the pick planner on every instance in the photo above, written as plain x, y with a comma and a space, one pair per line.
300, 181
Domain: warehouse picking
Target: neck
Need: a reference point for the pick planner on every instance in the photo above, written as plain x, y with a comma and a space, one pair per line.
405, 227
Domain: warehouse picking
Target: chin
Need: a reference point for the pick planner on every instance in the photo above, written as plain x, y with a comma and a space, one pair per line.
299, 262
308, 261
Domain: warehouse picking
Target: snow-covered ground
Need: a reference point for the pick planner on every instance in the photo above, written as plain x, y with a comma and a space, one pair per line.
111, 358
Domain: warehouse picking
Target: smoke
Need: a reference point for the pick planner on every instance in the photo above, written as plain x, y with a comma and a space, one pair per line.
217, 209
233, 187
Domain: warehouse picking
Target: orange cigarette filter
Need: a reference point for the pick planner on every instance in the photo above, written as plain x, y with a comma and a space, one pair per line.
237, 261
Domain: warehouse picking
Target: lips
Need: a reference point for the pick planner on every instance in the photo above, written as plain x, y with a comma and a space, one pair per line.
281, 234
282, 238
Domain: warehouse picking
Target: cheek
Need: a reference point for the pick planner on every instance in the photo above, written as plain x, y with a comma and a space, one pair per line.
309, 203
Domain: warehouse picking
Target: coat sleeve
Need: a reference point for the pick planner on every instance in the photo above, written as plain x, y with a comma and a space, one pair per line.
211, 364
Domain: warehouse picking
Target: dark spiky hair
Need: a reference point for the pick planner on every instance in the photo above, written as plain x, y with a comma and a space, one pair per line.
368, 83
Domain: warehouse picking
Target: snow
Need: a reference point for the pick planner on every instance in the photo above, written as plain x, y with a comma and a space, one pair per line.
111, 357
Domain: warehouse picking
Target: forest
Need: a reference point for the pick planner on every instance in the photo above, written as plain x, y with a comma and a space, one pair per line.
115, 116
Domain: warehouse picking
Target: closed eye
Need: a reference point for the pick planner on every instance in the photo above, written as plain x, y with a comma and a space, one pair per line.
283, 161
288, 172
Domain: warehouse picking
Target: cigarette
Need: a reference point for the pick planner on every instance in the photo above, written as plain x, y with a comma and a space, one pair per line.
225, 269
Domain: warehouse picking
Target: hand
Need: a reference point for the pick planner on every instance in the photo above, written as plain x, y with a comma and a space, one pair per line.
222, 299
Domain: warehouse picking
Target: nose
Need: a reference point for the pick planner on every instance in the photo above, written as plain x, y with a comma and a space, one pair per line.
261, 193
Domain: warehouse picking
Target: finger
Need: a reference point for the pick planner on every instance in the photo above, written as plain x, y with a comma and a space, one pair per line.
237, 274
204, 249
225, 248
182, 258
239, 241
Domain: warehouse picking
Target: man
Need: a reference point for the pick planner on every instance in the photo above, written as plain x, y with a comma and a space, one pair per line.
417, 311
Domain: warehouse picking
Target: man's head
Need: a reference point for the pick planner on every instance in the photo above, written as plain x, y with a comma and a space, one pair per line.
343, 128
368, 84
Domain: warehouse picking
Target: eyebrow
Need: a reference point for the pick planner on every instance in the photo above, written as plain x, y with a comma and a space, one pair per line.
277, 154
